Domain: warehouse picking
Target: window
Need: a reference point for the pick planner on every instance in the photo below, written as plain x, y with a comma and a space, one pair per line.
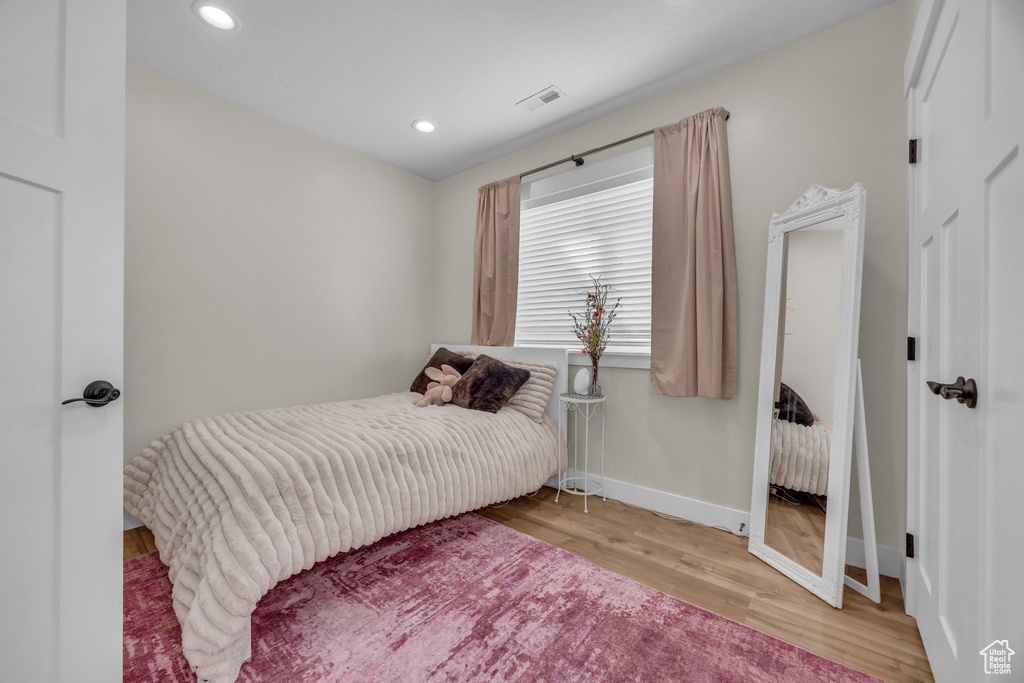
592, 220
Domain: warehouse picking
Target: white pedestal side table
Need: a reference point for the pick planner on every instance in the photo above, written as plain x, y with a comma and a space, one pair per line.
572, 481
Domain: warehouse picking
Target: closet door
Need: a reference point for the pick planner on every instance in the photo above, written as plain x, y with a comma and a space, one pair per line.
966, 79
62, 65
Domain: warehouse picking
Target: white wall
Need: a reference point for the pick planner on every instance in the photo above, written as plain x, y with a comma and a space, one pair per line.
265, 266
813, 283
827, 109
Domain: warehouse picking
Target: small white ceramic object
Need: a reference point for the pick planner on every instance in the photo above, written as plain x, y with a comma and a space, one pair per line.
581, 384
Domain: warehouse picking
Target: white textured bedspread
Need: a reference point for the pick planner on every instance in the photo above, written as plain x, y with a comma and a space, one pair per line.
242, 501
800, 456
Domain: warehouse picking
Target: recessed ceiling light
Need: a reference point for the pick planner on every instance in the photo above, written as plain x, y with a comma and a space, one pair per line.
215, 16
424, 126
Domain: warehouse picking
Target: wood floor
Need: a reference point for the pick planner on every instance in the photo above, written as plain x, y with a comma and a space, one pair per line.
797, 530
138, 542
711, 568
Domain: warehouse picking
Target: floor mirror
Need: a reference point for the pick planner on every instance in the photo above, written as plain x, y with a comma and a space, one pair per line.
808, 383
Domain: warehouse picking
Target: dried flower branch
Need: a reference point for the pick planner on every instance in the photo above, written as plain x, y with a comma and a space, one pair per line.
591, 325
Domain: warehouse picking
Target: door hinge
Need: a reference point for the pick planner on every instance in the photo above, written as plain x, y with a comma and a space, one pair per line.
911, 348
910, 546
913, 151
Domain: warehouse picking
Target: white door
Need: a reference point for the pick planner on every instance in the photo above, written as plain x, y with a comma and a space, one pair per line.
62, 65
965, 465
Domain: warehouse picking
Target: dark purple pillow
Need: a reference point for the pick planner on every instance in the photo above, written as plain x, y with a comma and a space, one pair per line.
488, 385
441, 357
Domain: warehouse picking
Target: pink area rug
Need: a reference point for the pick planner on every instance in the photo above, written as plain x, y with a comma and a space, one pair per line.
467, 599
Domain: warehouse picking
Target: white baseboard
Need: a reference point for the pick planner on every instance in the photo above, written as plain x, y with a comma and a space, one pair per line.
691, 509
130, 522
891, 562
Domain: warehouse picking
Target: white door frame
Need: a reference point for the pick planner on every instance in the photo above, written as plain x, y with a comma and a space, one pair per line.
924, 29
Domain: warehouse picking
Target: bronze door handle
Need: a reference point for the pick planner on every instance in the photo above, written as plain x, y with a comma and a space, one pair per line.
964, 391
97, 394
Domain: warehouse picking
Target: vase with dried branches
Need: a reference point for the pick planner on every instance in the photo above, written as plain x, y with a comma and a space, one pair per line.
591, 327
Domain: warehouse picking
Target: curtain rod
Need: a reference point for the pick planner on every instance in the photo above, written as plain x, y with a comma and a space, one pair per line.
578, 158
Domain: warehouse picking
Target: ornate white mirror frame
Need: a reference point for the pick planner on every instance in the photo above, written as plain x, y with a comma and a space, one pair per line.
844, 210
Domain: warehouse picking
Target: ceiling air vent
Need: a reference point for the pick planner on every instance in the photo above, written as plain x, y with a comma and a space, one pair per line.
539, 99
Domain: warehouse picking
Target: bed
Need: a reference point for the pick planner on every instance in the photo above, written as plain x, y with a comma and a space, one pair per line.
800, 445
239, 502
799, 459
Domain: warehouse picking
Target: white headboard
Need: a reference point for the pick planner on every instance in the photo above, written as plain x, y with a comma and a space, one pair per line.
557, 357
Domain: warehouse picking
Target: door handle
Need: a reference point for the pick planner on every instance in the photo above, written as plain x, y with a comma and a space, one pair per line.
97, 394
964, 391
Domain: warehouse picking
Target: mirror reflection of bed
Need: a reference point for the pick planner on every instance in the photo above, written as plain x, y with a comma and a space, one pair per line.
804, 395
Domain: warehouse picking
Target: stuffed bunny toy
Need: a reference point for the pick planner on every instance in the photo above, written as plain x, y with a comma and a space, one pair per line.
439, 391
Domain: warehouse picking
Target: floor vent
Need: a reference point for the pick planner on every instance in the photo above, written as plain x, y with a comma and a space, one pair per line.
539, 99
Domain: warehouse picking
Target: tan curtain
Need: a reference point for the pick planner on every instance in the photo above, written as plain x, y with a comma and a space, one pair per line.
496, 263
693, 316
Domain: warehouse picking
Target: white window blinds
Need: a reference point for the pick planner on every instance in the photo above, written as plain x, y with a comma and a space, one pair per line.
577, 224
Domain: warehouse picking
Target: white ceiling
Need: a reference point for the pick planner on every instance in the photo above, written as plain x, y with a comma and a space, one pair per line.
359, 73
